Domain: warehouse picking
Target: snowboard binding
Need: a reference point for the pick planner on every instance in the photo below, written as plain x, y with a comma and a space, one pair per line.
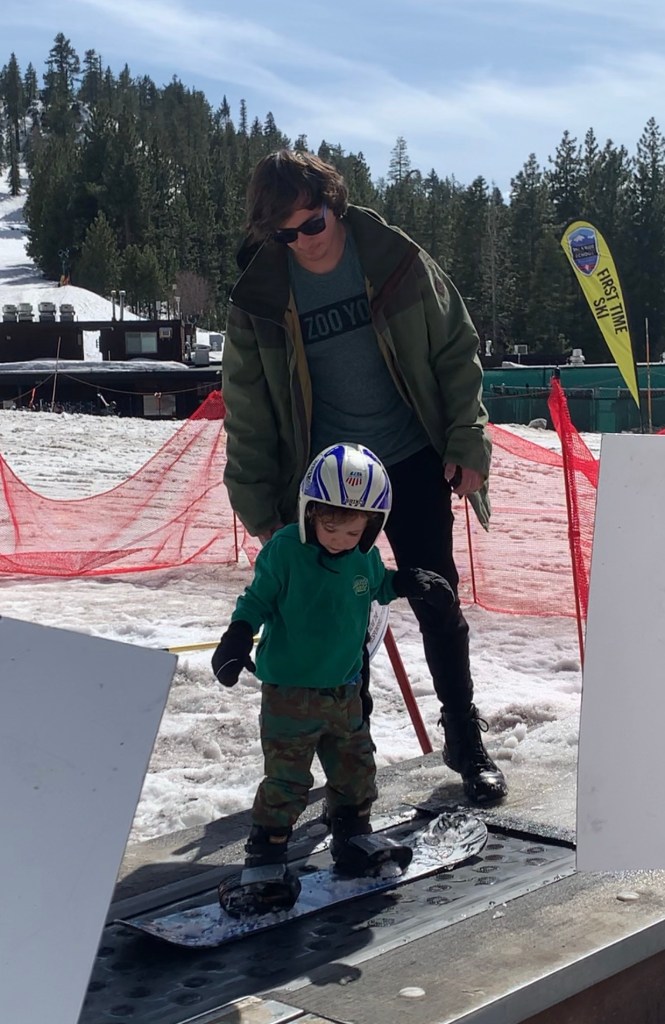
264, 889
368, 855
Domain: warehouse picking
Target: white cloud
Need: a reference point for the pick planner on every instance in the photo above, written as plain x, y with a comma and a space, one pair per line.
502, 78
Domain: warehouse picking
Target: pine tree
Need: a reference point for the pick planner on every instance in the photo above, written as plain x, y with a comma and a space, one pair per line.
14, 172
142, 277
125, 98
441, 196
565, 181
404, 196
63, 66
606, 175
92, 79
468, 224
531, 213
125, 182
400, 162
497, 282
242, 124
98, 267
646, 202
11, 86
108, 89
30, 85
224, 113
549, 312
273, 138
51, 229
358, 177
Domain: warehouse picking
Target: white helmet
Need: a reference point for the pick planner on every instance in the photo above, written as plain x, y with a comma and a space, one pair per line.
347, 476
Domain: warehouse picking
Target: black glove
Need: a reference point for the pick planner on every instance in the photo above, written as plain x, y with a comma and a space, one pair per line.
424, 585
232, 653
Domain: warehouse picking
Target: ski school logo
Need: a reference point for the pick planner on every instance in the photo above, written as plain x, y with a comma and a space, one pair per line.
360, 585
584, 250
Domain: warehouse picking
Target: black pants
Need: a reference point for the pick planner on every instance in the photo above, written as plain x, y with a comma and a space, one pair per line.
420, 532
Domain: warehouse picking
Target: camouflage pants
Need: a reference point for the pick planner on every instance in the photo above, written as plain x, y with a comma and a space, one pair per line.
296, 725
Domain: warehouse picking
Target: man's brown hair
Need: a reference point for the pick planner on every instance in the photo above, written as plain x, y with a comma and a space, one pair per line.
285, 180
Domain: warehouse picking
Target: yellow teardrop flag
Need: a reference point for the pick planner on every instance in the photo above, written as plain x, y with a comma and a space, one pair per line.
590, 258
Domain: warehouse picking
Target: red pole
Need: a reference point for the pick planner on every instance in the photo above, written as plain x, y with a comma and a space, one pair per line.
573, 535
470, 547
571, 543
407, 692
235, 535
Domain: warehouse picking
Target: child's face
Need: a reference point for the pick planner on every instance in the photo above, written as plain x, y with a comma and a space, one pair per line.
338, 536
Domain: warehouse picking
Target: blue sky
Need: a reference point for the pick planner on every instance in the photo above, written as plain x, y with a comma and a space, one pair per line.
474, 86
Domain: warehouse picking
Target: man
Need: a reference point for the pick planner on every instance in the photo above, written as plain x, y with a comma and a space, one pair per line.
341, 328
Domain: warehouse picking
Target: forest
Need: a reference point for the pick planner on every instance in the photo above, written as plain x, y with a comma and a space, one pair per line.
134, 186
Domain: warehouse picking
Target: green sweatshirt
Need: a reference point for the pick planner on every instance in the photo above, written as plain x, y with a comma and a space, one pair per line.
314, 609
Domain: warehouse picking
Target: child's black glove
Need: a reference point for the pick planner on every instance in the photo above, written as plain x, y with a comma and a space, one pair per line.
232, 653
424, 585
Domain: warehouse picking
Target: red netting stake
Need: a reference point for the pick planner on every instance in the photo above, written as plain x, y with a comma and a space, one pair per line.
407, 692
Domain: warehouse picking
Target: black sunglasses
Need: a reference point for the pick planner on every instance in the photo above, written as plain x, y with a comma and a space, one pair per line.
312, 226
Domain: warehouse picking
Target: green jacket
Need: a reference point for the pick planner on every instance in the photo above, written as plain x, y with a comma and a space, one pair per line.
314, 610
424, 332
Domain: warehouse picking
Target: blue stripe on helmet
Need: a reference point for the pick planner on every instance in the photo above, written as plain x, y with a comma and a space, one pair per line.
383, 501
317, 488
370, 477
339, 452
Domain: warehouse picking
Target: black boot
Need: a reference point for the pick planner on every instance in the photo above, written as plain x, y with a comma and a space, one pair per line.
266, 846
356, 851
464, 752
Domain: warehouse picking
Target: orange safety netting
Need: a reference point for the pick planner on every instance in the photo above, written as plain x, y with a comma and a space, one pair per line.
175, 511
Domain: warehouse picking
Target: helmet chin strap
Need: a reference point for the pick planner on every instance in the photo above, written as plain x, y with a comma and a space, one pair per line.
323, 552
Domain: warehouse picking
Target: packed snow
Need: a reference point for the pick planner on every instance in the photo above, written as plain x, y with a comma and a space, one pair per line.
207, 759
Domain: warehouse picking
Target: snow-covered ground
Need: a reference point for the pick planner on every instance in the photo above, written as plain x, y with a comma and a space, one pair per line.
207, 759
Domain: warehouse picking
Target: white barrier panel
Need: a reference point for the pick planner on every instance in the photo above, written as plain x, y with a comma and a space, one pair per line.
78, 720
620, 784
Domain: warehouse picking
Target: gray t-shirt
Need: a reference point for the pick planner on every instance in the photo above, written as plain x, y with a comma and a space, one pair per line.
354, 397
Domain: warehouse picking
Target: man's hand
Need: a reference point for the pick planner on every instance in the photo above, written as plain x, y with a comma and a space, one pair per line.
462, 480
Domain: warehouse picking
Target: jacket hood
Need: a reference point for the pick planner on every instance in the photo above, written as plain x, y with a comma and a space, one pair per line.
263, 287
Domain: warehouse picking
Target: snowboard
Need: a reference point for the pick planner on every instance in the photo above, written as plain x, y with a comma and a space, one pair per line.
438, 845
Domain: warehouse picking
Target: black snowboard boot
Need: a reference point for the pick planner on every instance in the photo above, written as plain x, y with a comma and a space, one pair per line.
356, 851
266, 846
464, 752
265, 885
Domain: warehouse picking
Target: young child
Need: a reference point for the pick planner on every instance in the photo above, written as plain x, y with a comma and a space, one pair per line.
313, 585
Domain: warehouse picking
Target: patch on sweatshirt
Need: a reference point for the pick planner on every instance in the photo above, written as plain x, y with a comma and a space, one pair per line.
360, 585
